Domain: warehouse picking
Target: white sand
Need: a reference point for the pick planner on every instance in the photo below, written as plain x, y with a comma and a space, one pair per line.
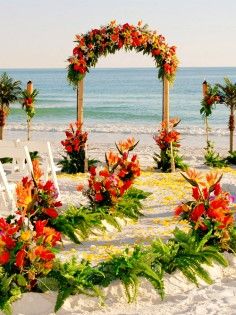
182, 297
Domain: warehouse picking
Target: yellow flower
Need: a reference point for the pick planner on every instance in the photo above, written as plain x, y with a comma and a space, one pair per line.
26, 235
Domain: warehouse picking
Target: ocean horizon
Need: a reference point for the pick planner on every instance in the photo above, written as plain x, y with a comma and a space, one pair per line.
125, 100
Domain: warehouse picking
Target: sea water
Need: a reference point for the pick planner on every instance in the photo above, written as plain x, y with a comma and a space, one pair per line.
124, 100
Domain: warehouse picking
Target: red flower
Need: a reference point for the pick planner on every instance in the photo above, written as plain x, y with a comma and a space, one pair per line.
217, 189
196, 193
228, 220
39, 226
178, 210
97, 186
10, 243
92, 170
98, 197
197, 212
156, 52
44, 253
20, 257
69, 148
4, 257
51, 212
104, 173
205, 193
49, 186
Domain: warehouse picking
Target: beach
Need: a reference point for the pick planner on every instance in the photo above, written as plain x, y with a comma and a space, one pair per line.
182, 297
111, 124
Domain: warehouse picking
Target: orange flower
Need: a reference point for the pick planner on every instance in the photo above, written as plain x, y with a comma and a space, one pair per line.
36, 170
112, 158
195, 177
24, 194
212, 178
80, 187
126, 145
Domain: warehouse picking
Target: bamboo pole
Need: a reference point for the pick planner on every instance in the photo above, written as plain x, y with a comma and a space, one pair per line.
30, 87
204, 93
204, 88
166, 115
231, 129
80, 99
80, 116
30, 90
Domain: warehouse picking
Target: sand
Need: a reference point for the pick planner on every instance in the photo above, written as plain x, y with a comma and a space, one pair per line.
182, 297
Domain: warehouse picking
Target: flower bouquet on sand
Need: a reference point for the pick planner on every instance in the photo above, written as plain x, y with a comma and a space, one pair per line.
209, 211
164, 139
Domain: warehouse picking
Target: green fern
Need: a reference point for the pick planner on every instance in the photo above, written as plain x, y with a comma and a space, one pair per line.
128, 268
188, 253
75, 278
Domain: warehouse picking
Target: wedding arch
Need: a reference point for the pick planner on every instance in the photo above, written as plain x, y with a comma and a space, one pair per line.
113, 37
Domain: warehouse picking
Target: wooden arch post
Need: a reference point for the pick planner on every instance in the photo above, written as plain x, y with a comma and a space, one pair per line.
166, 115
80, 101
80, 116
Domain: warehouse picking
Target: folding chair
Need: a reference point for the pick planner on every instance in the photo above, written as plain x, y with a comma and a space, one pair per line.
21, 162
45, 152
7, 191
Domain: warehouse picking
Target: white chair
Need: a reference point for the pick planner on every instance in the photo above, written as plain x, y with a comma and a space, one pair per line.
7, 191
21, 162
45, 152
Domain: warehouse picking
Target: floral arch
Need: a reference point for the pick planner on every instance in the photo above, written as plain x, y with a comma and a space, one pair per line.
113, 37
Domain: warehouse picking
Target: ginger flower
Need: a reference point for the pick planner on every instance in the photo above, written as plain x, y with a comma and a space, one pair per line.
126, 145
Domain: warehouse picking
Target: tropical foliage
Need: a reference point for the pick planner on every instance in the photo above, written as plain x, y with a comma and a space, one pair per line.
165, 139
112, 37
9, 93
228, 92
212, 158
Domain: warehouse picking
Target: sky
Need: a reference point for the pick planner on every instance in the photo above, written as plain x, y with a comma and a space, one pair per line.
40, 33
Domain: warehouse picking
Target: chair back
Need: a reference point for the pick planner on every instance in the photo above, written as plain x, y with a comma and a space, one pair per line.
21, 161
45, 151
6, 190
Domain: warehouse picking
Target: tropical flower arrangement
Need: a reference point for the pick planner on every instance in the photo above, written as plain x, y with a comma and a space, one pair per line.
74, 161
112, 37
27, 241
209, 211
165, 139
27, 99
108, 184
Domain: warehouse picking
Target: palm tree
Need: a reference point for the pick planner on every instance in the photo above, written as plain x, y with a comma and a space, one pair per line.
229, 98
9, 91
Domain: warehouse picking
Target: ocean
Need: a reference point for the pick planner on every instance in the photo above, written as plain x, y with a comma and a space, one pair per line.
124, 100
